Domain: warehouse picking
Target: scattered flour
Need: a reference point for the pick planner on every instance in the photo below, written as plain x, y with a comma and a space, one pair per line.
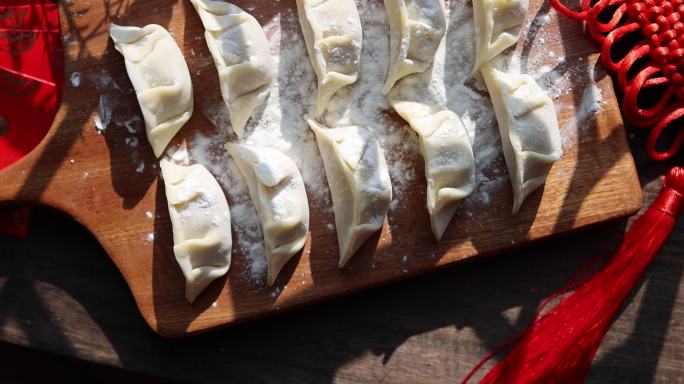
542, 20
132, 142
110, 100
590, 104
592, 100
75, 79
133, 126
280, 123
108, 89
181, 156
555, 75
275, 292
363, 103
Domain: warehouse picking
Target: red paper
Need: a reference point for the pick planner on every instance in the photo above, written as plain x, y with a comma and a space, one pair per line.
31, 81
30, 17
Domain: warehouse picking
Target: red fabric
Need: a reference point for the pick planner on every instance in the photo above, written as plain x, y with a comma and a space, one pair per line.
559, 346
31, 75
29, 16
31, 80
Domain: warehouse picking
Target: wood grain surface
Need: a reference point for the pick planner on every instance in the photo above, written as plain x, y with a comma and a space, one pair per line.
88, 176
66, 306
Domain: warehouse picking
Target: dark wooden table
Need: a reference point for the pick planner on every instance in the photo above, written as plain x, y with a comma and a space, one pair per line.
66, 311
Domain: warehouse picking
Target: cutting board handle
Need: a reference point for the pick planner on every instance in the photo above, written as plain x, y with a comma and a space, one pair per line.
24, 179
18, 181
33, 178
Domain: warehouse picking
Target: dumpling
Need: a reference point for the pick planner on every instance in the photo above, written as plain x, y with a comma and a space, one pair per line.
416, 30
497, 26
529, 129
278, 194
160, 77
448, 156
359, 183
242, 56
332, 31
201, 224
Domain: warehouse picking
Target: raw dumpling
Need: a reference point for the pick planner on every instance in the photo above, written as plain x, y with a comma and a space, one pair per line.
497, 26
242, 56
332, 31
278, 194
359, 183
160, 77
529, 129
201, 224
416, 30
448, 156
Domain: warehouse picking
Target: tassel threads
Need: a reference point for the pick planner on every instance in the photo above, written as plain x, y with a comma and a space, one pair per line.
559, 346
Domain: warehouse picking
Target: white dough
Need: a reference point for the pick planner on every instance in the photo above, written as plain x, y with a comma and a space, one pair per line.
242, 56
277, 191
497, 26
448, 155
416, 30
160, 77
529, 129
201, 224
359, 182
332, 31
446, 148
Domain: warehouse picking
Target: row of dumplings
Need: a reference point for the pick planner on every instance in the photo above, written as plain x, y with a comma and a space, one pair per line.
353, 159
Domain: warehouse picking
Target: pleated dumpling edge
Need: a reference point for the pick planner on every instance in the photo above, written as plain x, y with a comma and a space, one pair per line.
529, 129
448, 155
333, 35
359, 182
200, 219
242, 56
277, 191
416, 30
160, 76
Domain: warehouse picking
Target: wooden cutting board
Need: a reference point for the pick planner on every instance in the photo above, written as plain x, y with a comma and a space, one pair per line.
91, 177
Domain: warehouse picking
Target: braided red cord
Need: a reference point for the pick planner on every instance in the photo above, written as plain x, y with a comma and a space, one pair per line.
653, 68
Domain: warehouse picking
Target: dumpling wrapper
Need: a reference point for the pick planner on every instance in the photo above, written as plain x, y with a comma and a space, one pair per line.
242, 56
200, 218
448, 155
277, 191
359, 183
498, 24
333, 36
416, 30
529, 129
160, 77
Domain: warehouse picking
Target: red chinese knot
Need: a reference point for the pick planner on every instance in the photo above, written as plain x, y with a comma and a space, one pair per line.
651, 72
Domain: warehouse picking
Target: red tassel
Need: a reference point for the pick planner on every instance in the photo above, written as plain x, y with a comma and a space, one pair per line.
559, 346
